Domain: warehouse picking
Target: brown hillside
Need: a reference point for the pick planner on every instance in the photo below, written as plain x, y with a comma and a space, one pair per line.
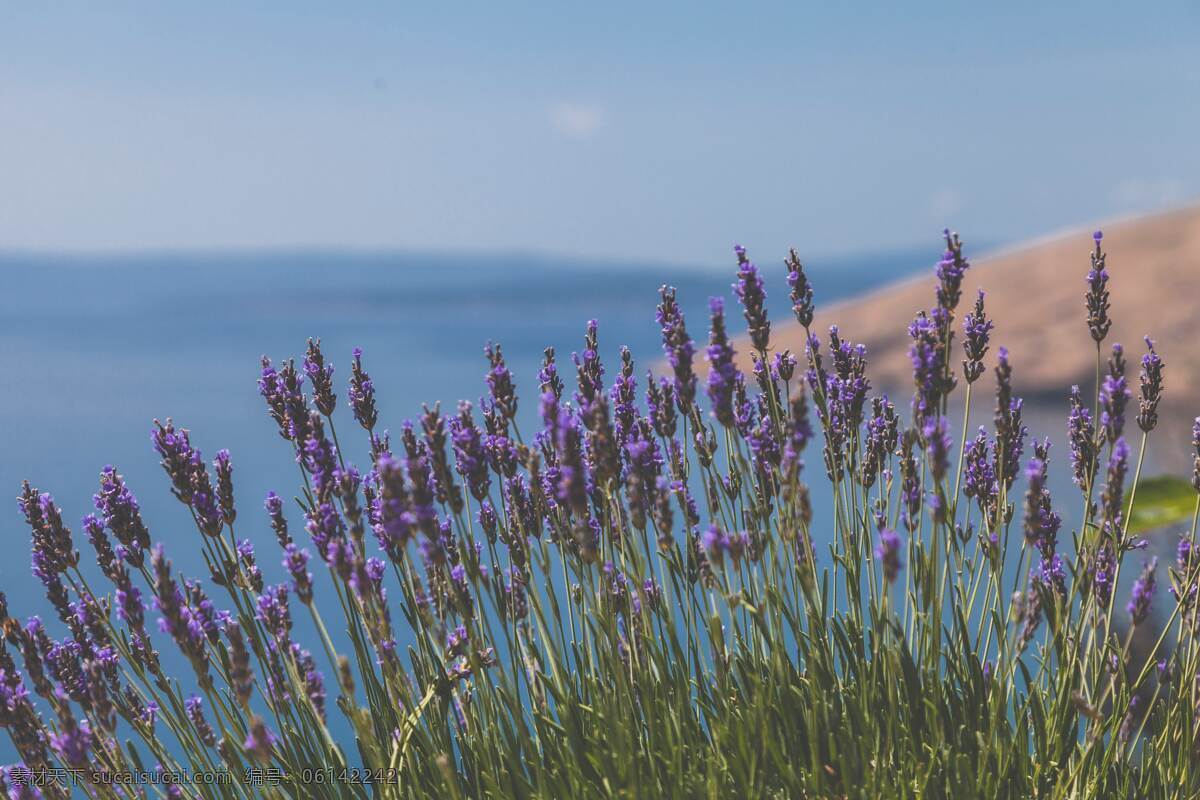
1035, 295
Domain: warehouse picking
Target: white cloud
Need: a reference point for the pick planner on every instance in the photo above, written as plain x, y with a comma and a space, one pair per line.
576, 120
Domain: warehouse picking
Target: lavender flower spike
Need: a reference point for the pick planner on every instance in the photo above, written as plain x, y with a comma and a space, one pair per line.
500, 382
1097, 294
320, 375
1114, 396
749, 290
1081, 433
122, 515
195, 714
801, 289
53, 549
938, 444
977, 330
224, 467
260, 741
1196, 457
950, 271
1143, 594
888, 553
678, 347
1152, 388
362, 394
723, 374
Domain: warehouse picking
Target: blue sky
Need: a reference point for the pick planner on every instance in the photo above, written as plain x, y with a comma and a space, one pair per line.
664, 131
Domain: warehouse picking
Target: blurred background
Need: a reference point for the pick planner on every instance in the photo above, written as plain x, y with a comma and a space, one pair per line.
185, 187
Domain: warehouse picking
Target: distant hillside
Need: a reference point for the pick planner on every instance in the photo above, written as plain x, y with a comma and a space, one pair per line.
1035, 295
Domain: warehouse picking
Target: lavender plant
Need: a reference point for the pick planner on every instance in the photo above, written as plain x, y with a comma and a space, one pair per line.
633, 600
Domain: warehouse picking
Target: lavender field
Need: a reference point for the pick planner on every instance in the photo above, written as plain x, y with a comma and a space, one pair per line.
689, 581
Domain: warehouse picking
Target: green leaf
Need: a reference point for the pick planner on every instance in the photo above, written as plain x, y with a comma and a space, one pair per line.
1160, 501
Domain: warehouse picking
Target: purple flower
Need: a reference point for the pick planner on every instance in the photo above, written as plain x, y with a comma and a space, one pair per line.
1196, 456
74, 739
224, 469
53, 550
950, 271
801, 290
678, 347
259, 742
715, 544
1081, 433
361, 394
1010, 433
284, 392
910, 482
1152, 387
106, 557
1103, 571
1097, 294
424, 491
749, 290
1114, 395
501, 454
938, 443
314, 682
325, 525
516, 602
1113, 494
500, 382
660, 406
433, 425
195, 712
927, 355
1052, 572
882, 437
548, 377
273, 611
274, 506
121, 514
469, 456
178, 457
624, 397
130, 607
977, 330
241, 680
320, 375
764, 446
319, 458
844, 395
979, 477
203, 611
1041, 522
589, 371
178, 619
723, 373
149, 715
394, 523
1143, 594
783, 366
1185, 564
295, 561
797, 433
888, 553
